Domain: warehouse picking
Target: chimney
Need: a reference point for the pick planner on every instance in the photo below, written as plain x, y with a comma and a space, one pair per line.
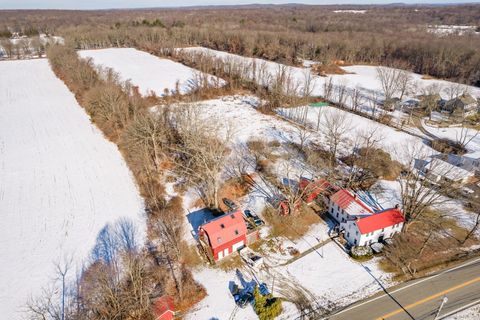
397, 206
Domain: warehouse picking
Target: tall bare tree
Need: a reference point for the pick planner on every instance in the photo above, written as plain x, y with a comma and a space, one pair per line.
337, 125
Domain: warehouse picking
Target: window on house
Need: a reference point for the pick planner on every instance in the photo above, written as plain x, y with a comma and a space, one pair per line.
356, 232
355, 242
337, 214
232, 216
348, 234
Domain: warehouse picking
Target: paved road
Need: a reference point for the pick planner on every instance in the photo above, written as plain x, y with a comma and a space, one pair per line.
420, 299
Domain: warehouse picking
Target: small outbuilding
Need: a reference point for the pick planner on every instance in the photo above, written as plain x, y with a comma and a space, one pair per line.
163, 308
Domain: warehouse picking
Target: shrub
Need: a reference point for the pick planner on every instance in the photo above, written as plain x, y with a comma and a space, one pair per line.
361, 253
447, 146
267, 307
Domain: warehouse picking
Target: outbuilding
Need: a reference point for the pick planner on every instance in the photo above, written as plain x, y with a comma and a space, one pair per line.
163, 308
225, 234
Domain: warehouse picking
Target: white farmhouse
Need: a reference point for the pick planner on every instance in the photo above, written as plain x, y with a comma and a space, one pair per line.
374, 228
344, 205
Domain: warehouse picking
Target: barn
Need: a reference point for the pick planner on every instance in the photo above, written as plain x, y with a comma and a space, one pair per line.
224, 235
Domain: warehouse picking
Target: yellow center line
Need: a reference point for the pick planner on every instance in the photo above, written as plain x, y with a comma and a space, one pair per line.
439, 294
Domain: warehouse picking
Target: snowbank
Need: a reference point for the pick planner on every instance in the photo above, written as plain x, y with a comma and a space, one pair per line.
149, 73
61, 181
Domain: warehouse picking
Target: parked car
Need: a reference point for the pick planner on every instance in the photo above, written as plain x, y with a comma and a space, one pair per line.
231, 205
251, 216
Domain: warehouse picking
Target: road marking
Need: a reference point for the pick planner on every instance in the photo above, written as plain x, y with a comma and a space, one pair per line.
439, 294
407, 286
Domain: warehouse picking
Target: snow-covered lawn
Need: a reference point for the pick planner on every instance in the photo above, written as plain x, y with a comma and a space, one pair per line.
148, 72
61, 181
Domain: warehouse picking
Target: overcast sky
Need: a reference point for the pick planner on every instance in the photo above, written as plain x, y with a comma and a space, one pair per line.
106, 4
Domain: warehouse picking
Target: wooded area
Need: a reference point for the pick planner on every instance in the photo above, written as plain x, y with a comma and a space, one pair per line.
385, 35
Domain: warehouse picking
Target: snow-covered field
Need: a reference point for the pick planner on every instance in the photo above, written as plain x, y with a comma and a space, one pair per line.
360, 77
149, 73
61, 181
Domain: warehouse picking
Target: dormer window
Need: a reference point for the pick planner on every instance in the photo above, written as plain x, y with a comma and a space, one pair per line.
222, 226
219, 239
232, 216
236, 232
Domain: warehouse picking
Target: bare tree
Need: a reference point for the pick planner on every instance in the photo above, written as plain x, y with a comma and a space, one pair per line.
404, 81
201, 152
429, 100
419, 187
336, 126
356, 98
465, 135
389, 80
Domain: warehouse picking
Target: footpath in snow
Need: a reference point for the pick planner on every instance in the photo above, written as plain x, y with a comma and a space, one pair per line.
61, 182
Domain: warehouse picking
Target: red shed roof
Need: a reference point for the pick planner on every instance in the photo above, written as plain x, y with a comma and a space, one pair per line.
350, 203
162, 305
225, 228
380, 220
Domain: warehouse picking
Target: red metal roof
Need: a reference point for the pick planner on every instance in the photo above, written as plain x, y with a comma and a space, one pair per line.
380, 220
163, 305
225, 228
350, 203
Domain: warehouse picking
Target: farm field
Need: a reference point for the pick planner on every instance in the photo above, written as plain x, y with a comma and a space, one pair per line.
149, 73
61, 182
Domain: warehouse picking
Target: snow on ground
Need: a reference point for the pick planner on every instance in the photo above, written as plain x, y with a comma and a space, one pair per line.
361, 77
319, 276
61, 181
148, 72
331, 275
468, 314
456, 133
443, 30
392, 141
219, 303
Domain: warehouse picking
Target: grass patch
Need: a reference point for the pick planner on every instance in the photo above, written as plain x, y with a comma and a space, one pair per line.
230, 263
292, 227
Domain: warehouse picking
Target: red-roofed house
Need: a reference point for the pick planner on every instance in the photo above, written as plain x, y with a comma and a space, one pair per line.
225, 234
344, 205
373, 228
163, 308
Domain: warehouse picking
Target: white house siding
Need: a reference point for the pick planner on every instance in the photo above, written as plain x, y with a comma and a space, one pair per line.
356, 238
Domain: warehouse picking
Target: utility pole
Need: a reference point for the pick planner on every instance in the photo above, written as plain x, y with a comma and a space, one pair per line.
444, 300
